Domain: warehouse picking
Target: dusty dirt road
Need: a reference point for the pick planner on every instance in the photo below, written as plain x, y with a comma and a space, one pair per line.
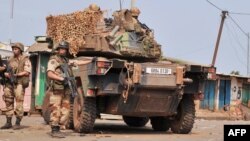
34, 129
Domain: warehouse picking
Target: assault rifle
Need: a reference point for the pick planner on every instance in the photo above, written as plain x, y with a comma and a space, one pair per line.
71, 82
144, 26
12, 73
2, 78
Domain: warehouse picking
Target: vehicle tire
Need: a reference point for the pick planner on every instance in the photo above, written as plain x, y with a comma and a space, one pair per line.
45, 108
46, 116
160, 123
135, 121
84, 114
184, 120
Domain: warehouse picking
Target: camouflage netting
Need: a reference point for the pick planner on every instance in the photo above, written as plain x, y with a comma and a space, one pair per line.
72, 27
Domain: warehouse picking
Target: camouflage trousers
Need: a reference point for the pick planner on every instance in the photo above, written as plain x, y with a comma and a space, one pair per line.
12, 95
60, 107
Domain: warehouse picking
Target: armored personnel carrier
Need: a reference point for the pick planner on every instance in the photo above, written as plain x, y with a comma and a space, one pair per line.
129, 77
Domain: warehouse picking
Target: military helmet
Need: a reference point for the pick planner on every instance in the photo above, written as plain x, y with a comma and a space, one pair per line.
94, 7
18, 45
135, 11
63, 44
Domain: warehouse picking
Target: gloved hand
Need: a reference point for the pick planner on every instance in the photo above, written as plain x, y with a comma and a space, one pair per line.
67, 79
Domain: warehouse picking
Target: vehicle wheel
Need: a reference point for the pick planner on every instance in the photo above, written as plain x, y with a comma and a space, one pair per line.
84, 114
184, 120
160, 123
135, 121
45, 108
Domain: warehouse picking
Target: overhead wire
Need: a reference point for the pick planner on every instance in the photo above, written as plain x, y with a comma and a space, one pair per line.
235, 13
193, 51
236, 38
214, 5
238, 25
236, 52
231, 16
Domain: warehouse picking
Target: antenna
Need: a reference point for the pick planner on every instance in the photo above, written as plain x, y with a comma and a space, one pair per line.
11, 9
248, 38
120, 4
133, 3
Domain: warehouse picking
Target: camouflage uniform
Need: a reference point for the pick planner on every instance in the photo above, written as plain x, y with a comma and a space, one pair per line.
58, 90
135, 12
148, 39
15, 92
60, 95
94, 8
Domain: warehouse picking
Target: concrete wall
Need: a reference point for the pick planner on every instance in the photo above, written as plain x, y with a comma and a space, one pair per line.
236, 88
235, 91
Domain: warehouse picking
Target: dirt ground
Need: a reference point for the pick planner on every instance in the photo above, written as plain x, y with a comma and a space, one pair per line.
113, 130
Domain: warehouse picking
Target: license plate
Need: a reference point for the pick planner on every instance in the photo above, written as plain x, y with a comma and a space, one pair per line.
158, 71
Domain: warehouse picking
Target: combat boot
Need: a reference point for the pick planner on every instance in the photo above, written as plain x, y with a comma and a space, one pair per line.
18, 123
8, 123
55, 132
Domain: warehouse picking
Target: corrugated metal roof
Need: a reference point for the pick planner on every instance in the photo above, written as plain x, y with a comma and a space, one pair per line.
5, 53
232, 75
39, 47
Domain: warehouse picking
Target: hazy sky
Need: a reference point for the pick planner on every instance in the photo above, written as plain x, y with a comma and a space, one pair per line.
186, 29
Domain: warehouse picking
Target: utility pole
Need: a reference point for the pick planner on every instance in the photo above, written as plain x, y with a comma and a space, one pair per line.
223, 17
248, 54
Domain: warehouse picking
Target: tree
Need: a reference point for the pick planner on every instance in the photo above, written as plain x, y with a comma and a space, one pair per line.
235, 72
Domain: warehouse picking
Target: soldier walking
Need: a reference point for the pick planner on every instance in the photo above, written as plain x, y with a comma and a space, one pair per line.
17, 79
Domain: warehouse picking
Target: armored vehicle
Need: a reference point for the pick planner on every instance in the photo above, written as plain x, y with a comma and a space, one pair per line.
129, 77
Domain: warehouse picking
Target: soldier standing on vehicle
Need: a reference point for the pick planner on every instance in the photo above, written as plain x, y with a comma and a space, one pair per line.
94, 8
135, 12
17, 79
142, 29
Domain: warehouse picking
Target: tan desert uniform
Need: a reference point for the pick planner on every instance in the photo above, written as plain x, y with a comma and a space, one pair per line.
148, 39
59, 94
18, 65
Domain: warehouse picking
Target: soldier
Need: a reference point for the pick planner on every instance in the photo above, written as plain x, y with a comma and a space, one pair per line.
59, 94
135, 12
142, 29
17, 75
94, 8
59, 90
